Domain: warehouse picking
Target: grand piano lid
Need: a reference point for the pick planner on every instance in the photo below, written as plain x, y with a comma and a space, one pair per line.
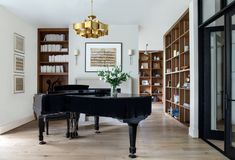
107, 96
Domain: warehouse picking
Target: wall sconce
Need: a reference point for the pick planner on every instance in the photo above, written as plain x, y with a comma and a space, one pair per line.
130, 53
76, 54
146, 49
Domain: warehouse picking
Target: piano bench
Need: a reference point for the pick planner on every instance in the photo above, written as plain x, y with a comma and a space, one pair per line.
54, 117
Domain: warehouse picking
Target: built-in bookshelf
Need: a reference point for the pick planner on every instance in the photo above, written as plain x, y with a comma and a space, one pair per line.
177, 70
151, 74
53, 51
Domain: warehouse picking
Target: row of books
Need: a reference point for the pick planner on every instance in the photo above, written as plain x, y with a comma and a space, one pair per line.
52, 69
53, 48
59, 58
54, 37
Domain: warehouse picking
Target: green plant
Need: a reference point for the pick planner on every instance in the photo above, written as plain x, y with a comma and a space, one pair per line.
114, 77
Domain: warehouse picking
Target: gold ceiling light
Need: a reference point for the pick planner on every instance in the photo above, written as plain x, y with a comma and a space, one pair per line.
91, 28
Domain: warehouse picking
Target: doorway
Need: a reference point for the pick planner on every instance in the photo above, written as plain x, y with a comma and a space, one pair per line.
217, 84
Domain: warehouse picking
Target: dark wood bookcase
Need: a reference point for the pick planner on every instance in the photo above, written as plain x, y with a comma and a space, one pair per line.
177, 70
151, 74
53, 61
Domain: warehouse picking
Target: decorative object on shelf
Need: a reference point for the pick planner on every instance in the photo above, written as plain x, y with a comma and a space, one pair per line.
169, 83
186, 48
145, 82
76, 54
157, 75
114, 77
157, 84
176, 98
51, 84
19, 45
146, 49
175, 113
156, 66
168, 70
178, 85
156, 58
100, 55
186, 105
184, 67
91, 28
130, 54
176, 68
18, 83
144, 66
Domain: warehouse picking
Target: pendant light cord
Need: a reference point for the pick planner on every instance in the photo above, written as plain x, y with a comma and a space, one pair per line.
91, 7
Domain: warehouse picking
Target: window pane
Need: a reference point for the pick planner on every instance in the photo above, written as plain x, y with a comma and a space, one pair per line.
209, 8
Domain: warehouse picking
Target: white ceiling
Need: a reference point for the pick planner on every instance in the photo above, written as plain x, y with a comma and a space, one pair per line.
61, 13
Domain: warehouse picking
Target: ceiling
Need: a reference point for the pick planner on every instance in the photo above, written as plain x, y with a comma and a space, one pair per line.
61, 13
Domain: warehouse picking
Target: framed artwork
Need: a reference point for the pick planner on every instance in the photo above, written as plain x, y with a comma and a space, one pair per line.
19, 43
18, 83
18, 63
100, 55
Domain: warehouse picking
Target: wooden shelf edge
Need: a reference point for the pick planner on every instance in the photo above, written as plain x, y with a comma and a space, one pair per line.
53, 74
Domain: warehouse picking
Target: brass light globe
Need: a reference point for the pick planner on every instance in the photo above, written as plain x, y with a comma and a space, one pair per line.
91, 28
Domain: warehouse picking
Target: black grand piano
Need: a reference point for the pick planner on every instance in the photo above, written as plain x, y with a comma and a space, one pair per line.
128, 108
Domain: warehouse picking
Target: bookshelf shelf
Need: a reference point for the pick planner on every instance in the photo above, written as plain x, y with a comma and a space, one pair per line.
177, 70
151, 72
55, 70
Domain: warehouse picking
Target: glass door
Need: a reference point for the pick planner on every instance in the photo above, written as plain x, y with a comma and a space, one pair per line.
230, 74
214, 86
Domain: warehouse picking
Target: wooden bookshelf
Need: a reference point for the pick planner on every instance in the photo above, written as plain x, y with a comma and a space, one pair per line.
53, 51
177, 70
151, 74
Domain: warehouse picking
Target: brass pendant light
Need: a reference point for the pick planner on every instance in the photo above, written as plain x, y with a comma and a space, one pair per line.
91, 28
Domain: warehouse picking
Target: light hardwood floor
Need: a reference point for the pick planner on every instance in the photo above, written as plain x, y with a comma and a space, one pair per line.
159, 138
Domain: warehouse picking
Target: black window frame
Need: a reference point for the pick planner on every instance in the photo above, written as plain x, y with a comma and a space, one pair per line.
223, 7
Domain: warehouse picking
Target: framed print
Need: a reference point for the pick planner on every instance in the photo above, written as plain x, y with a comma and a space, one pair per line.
18, 63
18, 83
19, 43
100, 55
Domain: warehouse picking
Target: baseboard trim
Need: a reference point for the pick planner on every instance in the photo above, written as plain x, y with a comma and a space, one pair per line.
14, 124
193, 132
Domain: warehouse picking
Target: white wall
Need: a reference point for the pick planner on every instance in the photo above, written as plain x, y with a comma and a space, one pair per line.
152, 33
16, 109
194, 73
127, 34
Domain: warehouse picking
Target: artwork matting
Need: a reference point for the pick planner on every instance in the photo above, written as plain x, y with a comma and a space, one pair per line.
19, 83
100, 55
19, 44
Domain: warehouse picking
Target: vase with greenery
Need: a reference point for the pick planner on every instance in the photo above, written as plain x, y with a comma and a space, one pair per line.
114, 77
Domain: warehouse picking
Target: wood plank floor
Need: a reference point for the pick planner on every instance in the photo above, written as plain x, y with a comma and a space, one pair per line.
159, 138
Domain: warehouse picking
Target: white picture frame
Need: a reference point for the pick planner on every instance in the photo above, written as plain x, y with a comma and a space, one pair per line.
100, 55
19, 84
19, 63
19, 43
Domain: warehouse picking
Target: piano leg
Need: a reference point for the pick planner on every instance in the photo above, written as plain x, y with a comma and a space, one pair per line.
41, 125
74, 118
68, 125
132, 136
97, 127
